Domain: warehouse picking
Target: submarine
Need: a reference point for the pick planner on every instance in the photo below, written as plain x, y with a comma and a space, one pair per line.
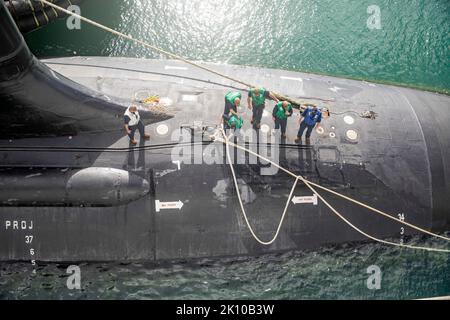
73, 188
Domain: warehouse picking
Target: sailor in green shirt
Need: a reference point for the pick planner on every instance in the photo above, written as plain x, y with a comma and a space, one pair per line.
232, 102
256, 102
280, 114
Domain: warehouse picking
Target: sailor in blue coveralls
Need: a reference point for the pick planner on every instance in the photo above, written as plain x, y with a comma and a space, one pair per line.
311, 117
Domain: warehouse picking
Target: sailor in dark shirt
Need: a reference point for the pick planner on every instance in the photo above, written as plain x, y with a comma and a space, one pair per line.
132, 122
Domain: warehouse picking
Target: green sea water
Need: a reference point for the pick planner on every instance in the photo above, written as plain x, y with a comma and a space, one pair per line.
322, 36
412, 46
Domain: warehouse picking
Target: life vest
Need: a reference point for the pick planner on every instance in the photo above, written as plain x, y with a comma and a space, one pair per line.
236, 122
232, 96
134, 117
281, 112
258, 100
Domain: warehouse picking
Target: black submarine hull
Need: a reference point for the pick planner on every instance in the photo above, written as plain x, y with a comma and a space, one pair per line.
183, 203
398, 163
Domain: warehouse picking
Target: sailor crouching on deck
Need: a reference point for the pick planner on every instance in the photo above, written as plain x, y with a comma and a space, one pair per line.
231, 117
133, 121
310, 118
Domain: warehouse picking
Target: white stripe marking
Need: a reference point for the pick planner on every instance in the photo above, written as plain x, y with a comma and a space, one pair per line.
175, 68
33, 175
291, 78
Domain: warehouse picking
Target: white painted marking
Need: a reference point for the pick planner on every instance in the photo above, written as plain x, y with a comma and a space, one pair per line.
352, 134
320, 130
300, 90
335, 89
189, 97
349, 120
332, 135
175, 68
198, 124
291, 78
162, 129
265, 128
165, 102
33, 175
168, 205
178, 163
308, 199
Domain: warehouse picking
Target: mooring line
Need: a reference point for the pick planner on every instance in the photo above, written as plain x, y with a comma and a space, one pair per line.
310, 185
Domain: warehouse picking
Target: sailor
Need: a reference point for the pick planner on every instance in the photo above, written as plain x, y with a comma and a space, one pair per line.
280, 114
235, 122
310, 118
133, 121
256, 102
232, 102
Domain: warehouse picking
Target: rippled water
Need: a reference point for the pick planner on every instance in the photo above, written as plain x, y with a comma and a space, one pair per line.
330, 273
331, 37
321, 36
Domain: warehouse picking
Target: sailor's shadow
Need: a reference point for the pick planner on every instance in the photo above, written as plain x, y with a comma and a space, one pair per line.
130, 160
305, 158
141, 157
282, 152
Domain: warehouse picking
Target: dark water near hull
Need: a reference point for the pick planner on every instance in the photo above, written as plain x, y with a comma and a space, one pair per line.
331, 37
328, 273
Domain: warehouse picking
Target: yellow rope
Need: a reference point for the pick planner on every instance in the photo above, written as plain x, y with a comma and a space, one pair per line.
309, 185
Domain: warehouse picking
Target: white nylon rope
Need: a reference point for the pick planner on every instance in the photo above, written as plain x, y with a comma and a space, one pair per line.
242, 205
309, 185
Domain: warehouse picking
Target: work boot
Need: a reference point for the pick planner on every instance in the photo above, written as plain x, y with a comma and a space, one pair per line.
283, 136
133, 142
298, 140
308, 141
146, 136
